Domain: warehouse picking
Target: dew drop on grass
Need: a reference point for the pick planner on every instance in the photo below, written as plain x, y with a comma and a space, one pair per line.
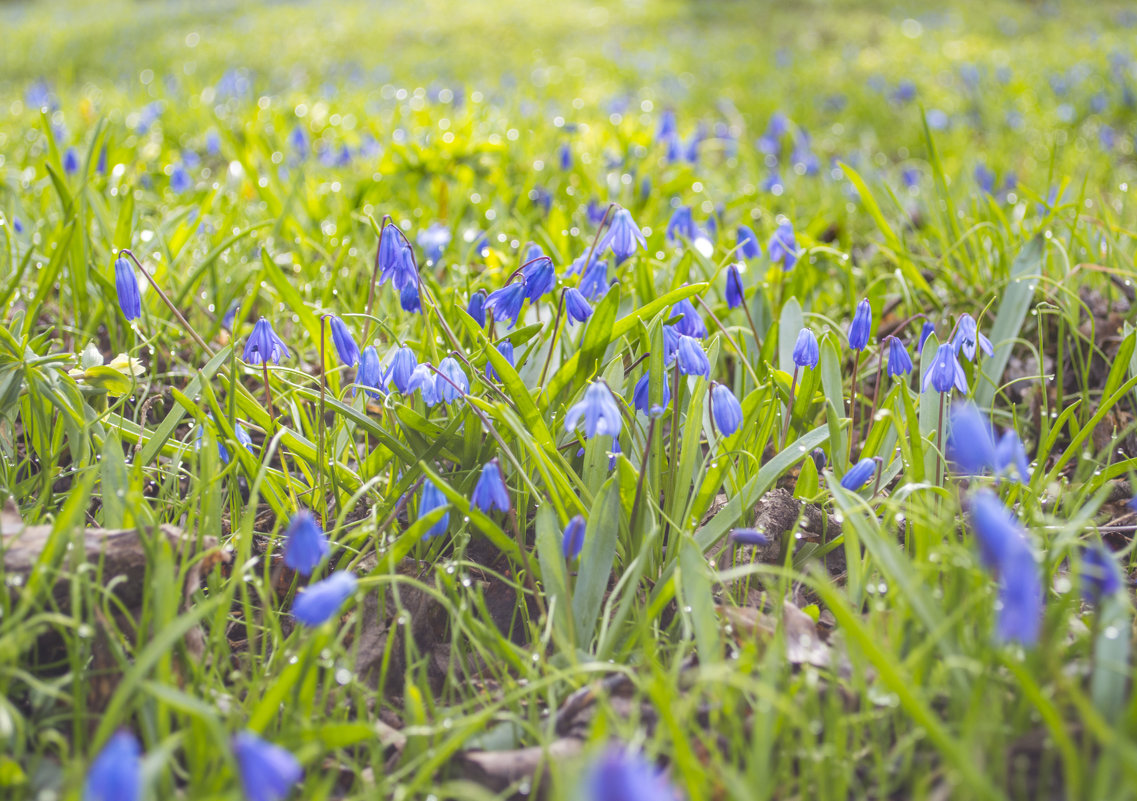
343, 676
1110, 633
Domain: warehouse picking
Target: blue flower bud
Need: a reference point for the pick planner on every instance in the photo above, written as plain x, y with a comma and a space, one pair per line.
341, 337
305, 545
859, 474
861, 327
126, 284
322, 601
490, 492
572, 541
806, 351
726, 411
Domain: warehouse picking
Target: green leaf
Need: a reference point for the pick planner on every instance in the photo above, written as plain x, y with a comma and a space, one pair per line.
697, 601
596, 560
1025, 275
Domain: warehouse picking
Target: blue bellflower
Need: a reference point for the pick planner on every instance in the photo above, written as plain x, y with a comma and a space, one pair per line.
116, 773
409, 298
264, 345
640, 395
490, 492
749, 536
506, 303
370, 374
540, 277
594, 280
1010, 453
126, 285
425, 380
622, 775
455, 384
692, 324
735, 294
322, 601
572, 541
576, 306
599, 410
180, 180
970, 445
859, 474
564, 157
389, 257
806, 351
624, 237
431, 499
748, 246
434, 241
305, 545
505, 348
268, 772
1020, 598
476, 308
925, 332
345, 344
967, 337
726, 411
1100, 573
945, 372
70, 161
692, 358
403, 366
783, 247
899, 362
670, 344
861, 328
681, 226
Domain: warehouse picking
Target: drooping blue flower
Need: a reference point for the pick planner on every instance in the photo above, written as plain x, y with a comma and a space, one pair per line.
1020, 597
370, 374
264, 345
389, 257
576, 306
595, 211
681, 225
268, 772
476, 308
970, 445
692, 324
624, 237
925, 332
995, 527
433, 241
1010, 453
453, 383
668, 125
180, 180
403, 365
735, 295
899, 363
599, 410
594, 280
861, 328
640, 394
623, 775
749, 536
1100, 574
783, 246
945, 372
806, 352
345, 344
692, 358
305, 545
859, 474
116, 773
564, 157
505, 348
490, 492
967, 337
506, 303
572, 541
70, 161
431, 499
409, 298
540, 278
670, 344
126, 285
322, 601
748, 246
726, 411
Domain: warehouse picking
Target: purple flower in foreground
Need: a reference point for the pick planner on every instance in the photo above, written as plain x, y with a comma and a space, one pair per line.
859, 474
749, 536
305, 545
322, 601
268, 772
116, 773
264, 345
622, 775
970, 445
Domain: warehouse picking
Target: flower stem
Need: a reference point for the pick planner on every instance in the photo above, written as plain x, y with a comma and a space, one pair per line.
789, 409
853, 406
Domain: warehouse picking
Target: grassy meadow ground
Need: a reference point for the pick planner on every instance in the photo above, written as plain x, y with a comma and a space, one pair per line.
634, 534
